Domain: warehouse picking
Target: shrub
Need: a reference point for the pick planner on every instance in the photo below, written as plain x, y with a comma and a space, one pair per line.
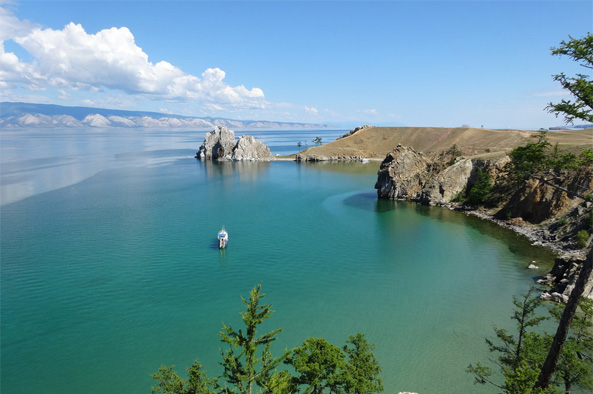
582, 237
480, 191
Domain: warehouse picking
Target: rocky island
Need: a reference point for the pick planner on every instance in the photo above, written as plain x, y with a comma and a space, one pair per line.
220, 144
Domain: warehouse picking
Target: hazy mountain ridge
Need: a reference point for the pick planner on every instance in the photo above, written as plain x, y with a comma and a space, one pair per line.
28, 115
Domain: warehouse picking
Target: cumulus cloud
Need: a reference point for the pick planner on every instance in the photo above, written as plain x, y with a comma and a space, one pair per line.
311, 110
72, 59
370, 111
14, 72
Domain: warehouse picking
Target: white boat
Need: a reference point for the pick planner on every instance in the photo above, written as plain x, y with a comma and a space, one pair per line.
223, 238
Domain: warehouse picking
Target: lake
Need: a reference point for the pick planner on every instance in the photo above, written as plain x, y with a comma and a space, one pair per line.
110, 268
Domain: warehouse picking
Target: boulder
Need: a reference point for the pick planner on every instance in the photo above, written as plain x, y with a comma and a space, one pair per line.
402, 174
248, 148
218, 144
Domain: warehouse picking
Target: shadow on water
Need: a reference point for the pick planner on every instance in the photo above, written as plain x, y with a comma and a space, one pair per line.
517, 244
368, 201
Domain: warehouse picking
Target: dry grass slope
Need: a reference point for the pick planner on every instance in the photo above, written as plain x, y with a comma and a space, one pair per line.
376, 142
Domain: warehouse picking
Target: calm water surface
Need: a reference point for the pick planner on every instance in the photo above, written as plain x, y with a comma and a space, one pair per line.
109, 265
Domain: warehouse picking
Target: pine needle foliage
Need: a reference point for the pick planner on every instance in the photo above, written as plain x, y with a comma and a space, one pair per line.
248, 365
241, 364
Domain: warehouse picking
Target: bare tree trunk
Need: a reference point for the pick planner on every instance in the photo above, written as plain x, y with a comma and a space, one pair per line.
545, 375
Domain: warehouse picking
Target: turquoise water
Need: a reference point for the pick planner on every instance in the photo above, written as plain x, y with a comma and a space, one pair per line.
109, 263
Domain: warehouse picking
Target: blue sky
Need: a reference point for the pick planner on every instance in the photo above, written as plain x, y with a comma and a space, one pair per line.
415, 63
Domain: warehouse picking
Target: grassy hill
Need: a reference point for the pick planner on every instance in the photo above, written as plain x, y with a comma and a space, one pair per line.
376, 142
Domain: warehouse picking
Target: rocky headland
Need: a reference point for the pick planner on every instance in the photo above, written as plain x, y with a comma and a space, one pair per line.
550, 212
439, 166
220, 144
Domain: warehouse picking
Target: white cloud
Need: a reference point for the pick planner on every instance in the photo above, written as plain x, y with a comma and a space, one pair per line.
73, 60
311, 110
370, 111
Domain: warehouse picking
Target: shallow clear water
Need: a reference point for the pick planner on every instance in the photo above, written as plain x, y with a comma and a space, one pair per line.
110, 266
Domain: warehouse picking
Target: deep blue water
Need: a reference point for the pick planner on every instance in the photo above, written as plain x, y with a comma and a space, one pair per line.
109, 264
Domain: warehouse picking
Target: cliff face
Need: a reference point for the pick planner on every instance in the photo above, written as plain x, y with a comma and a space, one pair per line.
410, 175
557, 205
402, 174
549, 210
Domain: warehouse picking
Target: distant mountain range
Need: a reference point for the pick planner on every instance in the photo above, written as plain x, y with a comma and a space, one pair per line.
28, 115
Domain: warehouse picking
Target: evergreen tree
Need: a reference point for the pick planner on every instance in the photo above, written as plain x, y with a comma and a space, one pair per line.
518, 356
580, 86
362, 369
480, 191
319, 366
241, 368
248, 364
170, 383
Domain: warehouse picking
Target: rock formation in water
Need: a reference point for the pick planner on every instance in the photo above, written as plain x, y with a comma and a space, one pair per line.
220, 144
402, 174
248, 148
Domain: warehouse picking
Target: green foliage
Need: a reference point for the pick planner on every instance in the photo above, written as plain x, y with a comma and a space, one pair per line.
580, 86
170, 383
362, 368
242, 369
480, 191
249, 365
576, 360
535, 157
518, 356
529, 159
487, 150
317, 140
319, 365
581, 238
521, 355
586, 157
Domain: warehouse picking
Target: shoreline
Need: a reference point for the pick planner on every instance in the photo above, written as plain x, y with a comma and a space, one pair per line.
538, 235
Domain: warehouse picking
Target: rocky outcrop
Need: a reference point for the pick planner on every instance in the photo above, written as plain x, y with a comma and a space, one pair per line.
446, 185
402, 174
549, 212
546, 196
220, 144
316, 158
248, 148
562, 279
355, 130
